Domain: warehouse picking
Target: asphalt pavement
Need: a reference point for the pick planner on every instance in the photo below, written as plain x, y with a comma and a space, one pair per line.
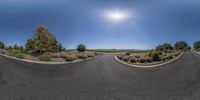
101, 78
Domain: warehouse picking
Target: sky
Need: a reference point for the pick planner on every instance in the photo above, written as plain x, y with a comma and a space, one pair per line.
145, 23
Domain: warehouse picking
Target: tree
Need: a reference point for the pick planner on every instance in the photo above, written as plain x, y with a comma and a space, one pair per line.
10, 47
30, 45
189, 47
2, 45
42, 41
16, 47
60, 47
21, 48
196, 45
165, 46
81, 48
181, 45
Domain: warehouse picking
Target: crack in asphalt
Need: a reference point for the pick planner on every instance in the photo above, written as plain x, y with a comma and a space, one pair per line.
102, 78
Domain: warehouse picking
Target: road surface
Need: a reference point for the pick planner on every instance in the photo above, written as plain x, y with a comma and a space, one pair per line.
102, 78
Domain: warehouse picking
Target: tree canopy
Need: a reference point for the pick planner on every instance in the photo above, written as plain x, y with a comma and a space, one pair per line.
196, 45
165, 46
81, 48
42, 41
2, 45
181, 45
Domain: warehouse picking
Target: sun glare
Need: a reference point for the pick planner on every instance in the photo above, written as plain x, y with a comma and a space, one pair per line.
116, 16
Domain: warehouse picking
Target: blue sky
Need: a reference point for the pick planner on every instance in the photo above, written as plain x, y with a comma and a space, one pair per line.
83, 21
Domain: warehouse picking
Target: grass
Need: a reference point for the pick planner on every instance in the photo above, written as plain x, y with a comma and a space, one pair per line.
118, 50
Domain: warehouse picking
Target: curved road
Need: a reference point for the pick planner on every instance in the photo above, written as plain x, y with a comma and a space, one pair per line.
102, 78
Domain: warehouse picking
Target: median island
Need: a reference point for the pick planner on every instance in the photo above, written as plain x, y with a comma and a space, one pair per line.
44, 47
161, 55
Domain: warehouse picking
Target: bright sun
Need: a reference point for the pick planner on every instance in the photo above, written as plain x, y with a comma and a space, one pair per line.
116, 16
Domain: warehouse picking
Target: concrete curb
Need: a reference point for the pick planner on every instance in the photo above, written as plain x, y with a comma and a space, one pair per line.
148, 66
196, 52
48, 63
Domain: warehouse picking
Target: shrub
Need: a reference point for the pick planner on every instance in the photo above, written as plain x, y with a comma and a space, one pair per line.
155, 55
120, 57
70, 57
137, 57
82, 56
19, 55
169, 51
159, 52
11, 54
81, 48
163, 58
55, 55
177, 54
2, 51
169, 57
133, 60
45, 57
142, 61
128, 53
126, 58
148, 60
90, 55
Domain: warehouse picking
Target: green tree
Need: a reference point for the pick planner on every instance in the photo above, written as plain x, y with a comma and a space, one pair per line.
42, 41
196, 45
16, 47
165, 46
2, 45
30, 45
10, 47
60, 47
81, 48
181, 45
21, 48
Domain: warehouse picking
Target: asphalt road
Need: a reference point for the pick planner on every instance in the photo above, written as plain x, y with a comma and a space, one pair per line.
102, 78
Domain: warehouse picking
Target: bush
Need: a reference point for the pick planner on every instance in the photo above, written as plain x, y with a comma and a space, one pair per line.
155, 55
120, 57
55, 55
2, 51
142, 61
81, 48
126, 58
148, 60
45, 57
177, 54
70, 58
137, 57
82, 56
19, 55
169, 57
132, 60
90, 55
163, 58
127, 53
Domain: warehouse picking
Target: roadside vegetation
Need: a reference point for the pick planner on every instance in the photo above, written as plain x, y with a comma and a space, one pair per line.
196, 46
44, 46
161, 53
